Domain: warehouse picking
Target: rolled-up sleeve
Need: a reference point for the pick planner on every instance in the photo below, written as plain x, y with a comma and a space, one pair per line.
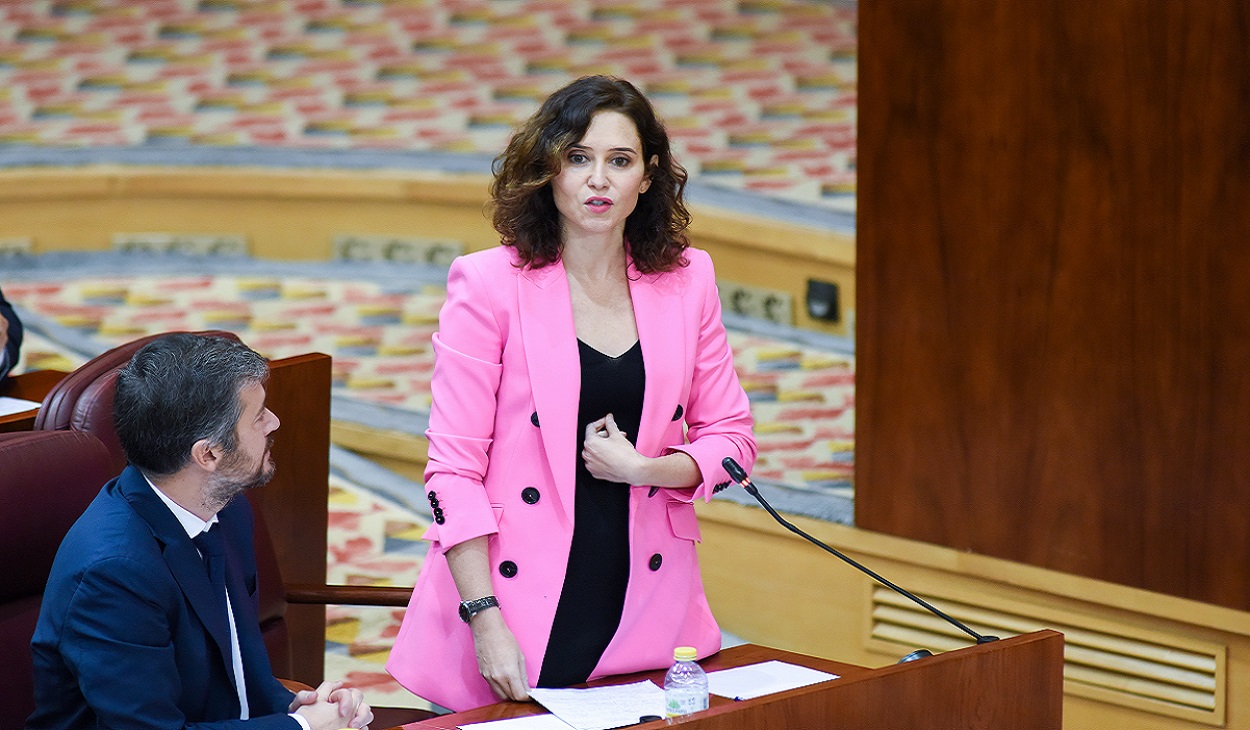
718, 414
467, 367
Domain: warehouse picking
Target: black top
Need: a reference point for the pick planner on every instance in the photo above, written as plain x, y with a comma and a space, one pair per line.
598, 572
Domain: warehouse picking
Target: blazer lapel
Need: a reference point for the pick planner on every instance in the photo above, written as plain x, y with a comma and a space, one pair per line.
551, 354
182, 558
661, 331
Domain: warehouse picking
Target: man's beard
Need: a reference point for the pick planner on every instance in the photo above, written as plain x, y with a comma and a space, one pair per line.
226, 483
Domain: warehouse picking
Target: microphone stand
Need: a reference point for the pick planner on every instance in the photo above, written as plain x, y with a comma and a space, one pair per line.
738, 474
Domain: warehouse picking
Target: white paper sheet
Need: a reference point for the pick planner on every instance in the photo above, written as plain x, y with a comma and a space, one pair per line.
529, 722
601, 708
16, 405
765, 678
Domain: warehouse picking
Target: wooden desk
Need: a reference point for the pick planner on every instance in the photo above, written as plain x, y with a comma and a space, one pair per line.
1016, 683
732, 657
32, 386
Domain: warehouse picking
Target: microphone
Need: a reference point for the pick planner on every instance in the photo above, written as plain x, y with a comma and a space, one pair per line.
739, 475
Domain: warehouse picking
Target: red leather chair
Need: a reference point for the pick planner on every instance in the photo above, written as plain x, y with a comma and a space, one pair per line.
83, 401
47, 479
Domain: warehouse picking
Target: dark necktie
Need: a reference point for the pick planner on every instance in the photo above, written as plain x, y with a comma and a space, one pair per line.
212, 550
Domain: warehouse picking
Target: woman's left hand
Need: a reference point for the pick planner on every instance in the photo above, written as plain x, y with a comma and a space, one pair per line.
608, 453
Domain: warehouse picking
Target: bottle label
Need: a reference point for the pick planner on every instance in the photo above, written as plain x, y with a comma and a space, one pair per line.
684, 700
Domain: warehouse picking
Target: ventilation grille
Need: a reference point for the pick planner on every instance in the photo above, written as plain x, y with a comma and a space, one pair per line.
1153, 674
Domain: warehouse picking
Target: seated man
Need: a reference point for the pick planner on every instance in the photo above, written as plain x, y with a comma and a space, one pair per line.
10, 336
149, 617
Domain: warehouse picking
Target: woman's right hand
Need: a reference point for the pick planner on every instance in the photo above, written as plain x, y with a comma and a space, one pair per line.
499, 657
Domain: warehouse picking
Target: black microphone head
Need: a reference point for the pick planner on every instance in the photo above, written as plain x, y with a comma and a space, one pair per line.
736, 472
916, 655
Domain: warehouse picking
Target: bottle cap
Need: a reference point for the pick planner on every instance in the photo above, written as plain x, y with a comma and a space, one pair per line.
685, 654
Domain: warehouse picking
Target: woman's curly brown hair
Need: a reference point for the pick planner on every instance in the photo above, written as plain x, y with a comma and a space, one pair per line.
525, 212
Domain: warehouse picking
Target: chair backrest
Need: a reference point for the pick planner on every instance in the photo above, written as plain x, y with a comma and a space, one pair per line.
47, 479
83, 401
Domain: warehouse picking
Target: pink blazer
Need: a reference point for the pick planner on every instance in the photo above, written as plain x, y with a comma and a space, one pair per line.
503, 443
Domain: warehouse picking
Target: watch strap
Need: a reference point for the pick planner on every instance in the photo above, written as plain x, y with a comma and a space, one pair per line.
469, 609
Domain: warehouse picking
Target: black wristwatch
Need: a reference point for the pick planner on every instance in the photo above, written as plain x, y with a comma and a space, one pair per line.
469, 609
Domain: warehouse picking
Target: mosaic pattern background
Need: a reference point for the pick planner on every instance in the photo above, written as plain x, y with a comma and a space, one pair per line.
371, 541
758, 95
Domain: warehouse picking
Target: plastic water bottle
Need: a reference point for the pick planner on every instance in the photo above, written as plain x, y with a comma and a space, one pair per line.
685, 685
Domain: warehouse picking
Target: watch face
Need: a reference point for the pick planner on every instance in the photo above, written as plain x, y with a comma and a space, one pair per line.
469, 609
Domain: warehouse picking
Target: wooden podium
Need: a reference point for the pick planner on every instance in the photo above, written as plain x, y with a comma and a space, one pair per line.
1013, 683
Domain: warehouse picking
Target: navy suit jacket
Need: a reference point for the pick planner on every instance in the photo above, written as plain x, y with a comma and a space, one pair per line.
130, 635
15, 336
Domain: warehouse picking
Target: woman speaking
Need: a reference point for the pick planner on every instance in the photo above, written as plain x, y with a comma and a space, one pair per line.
584, 395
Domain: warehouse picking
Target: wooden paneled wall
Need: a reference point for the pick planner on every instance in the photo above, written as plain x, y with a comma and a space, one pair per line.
1054, 285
